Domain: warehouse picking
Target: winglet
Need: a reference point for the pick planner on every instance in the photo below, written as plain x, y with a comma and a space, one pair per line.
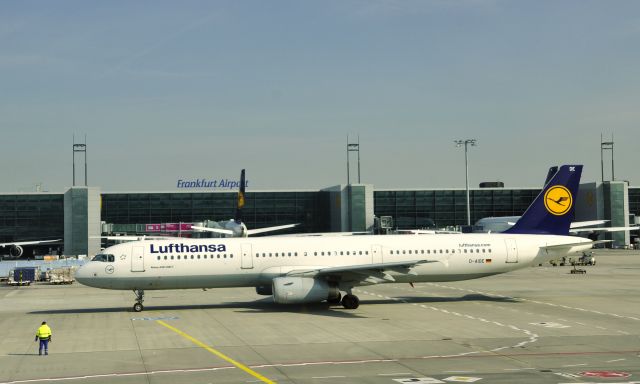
551, 213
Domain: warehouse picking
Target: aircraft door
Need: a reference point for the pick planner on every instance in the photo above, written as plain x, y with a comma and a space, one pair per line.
247, 259
137, 259
512, 251
376, 254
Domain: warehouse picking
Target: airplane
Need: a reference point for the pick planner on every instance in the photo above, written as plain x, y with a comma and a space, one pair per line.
231, 228
298, 270
236, 227
16, 250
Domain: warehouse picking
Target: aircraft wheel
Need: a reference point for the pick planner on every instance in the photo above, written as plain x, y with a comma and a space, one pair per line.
335, 300
138, 307
350, 301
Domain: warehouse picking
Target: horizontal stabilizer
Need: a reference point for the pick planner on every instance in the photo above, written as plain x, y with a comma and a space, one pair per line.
570, 245
604, 229
580, 224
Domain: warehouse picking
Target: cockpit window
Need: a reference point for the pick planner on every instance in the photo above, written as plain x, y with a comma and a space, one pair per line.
104, 258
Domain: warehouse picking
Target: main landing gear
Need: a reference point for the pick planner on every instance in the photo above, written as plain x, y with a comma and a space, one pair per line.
138, 307
350, 301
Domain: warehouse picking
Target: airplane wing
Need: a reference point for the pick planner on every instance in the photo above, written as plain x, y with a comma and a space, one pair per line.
426, 231
324, 234
604, 229
136, 238
28, 242
268, 229
364, 274
216, 230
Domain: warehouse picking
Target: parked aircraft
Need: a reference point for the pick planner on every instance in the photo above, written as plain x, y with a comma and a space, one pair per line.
16, 248
315, 269
236, 227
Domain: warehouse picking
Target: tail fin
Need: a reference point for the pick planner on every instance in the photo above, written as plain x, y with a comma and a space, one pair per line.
240, 204
552, 212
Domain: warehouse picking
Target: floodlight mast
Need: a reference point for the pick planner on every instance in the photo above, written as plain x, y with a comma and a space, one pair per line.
466, 143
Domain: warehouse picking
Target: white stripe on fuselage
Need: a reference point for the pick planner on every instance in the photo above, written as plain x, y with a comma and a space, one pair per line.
219, 262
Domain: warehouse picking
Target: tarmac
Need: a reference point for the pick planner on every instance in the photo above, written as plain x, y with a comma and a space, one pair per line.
536, 325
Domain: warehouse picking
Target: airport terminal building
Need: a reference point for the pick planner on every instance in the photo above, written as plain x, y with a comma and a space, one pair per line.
81, 214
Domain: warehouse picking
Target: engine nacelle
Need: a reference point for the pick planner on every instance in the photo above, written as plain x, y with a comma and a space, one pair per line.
16, 251
265, 290
298, 290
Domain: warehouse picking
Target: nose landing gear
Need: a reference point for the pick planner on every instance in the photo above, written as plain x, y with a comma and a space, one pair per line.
138, 307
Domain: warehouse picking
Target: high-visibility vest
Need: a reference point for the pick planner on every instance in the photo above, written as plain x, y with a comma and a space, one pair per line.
44, 332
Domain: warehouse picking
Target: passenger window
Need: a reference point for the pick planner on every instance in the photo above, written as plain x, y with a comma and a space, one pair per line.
165, 257
198, 257
172, 257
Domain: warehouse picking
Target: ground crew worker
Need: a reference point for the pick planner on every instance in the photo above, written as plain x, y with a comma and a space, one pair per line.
44, 335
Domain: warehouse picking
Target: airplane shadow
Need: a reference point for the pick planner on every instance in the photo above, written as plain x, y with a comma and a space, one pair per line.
445, 299
259, 306
268, 306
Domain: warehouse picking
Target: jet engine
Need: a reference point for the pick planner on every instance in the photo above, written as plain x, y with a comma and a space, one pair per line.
298, 290
16, 251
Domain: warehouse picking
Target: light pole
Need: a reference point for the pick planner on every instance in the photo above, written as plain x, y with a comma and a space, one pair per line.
466, 143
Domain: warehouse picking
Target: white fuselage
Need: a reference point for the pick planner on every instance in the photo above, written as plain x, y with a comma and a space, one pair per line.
249, 262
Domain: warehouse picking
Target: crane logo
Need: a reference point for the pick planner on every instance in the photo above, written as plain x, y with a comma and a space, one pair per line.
558, 200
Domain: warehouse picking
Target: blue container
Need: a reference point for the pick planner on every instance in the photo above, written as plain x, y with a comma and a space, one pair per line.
24, 274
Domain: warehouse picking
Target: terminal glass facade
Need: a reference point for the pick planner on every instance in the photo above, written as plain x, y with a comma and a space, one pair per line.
37, 216
424, 208
262, 209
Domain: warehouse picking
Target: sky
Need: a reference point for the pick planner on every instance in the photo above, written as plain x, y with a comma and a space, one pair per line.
167, 91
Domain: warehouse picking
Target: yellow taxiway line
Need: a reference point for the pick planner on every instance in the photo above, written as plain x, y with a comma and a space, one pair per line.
217, 353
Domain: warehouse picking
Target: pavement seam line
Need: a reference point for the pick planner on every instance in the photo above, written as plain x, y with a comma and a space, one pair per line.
217, 353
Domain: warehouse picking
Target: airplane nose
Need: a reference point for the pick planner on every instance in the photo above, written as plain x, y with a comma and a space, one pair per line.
83, 274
